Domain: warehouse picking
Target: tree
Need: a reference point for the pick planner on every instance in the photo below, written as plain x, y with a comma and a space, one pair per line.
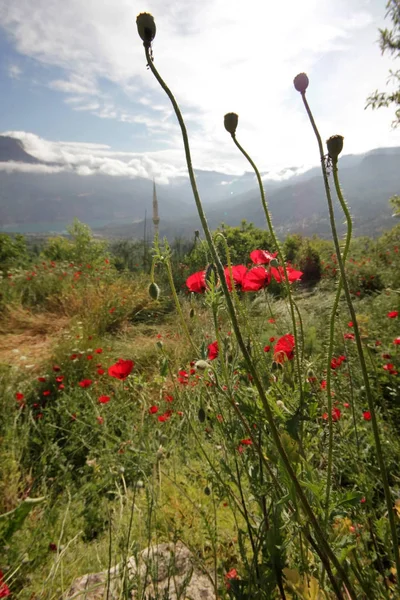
390, 42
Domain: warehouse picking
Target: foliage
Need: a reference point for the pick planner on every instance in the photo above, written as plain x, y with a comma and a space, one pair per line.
390, 42
13, 251
82, 248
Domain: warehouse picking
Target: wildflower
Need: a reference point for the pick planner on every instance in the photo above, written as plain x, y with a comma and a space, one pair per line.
19, 396
284, 347
238, 273
323, 384
99, 350
255, 279
56, 368
4, 589
348, 336
41, 379
367, 415
301, 82
393, 314
183, 377
46, 393
246, 442
350, 324
73, 356
346, 405
100, 420
104, 399
262, 257
100, 371
153, 410
61, 386
112, 310
213, 350
165, 416
89, 357
396, 341
336, 414
146, 28
168, 398
272, 320
60, 378
121, 369
279, 274
267, 348
272, 339
196, 282
85, 383
231, 122
230, 576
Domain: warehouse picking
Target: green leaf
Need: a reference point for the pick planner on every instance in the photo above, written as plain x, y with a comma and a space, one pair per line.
12, 521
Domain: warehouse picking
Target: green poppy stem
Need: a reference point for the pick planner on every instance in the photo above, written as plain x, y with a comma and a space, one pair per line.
368, 391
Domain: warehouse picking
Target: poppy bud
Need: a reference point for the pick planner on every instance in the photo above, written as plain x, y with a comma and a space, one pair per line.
301, 82
201, 415
207, 491
191, 313
154, 291
196, 233
273, 262
335, 146
201, 365
231, 122
146, 28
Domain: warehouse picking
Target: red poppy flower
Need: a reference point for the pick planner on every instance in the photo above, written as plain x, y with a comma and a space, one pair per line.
213, 350
100, 371
168, 398
246, 442
336, 414
323, 384
19, 396
346, 405
104, 399
348, 336
121, 369
272, 339
262, 257
393, 314
367, 415
279, 274
267, 348
255, 279
73, 356
284, 347
60, 378
100, 420
61, 386
42, 379
231, 575
99, 350
153, 410
396, 341
89, 357
183, 377
350, 324
85, 383
4, 589
196, 282
56, 368
238, 273
46, 393
272, 320
165, 416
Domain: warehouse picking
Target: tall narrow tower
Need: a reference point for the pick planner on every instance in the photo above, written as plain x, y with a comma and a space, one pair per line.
156, 218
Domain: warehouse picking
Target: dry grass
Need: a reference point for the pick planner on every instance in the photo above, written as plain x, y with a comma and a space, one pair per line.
27, 338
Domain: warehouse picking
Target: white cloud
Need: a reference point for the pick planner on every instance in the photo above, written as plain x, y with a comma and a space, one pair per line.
218, 56
13, 166
14, 71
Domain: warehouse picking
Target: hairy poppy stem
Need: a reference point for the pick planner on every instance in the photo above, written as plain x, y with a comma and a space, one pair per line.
331, 339
327, 555
368, 392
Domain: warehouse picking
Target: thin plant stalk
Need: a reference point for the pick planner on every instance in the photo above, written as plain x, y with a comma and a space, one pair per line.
325, 549
368, 391
281, 258
332, 320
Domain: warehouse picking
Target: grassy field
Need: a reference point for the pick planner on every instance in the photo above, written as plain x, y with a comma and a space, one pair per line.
129, 426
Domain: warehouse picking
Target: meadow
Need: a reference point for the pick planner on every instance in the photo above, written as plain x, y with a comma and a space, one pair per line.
240, 400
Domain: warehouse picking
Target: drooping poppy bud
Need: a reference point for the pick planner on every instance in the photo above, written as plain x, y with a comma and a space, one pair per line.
146, 27
335, 146
301, 82
154, 291
231, 122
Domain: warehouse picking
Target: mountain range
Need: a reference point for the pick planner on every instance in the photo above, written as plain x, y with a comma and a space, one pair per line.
34, 201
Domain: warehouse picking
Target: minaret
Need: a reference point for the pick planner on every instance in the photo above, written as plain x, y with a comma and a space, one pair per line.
156, 218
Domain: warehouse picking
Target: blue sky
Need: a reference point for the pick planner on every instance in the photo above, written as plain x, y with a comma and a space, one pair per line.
76, 90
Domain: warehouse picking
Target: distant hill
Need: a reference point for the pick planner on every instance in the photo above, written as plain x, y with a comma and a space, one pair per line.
116, 206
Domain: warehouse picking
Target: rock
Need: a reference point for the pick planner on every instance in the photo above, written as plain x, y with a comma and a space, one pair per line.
168, 571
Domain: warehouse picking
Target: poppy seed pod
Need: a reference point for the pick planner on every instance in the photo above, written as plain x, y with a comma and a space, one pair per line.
146, 27
231, 122
335, 146
154, 291
301, 82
